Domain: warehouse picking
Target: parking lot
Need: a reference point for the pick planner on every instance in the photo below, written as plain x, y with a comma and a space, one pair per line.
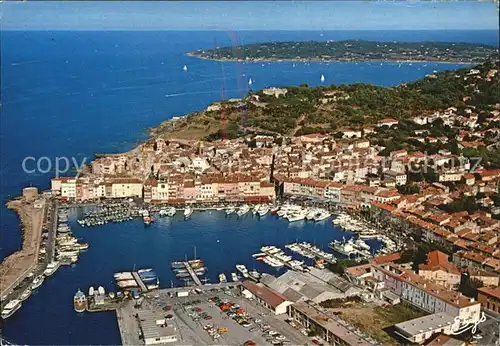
223, 317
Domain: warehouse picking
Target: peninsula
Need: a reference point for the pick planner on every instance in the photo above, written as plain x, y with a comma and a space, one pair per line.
301, 110
353, 51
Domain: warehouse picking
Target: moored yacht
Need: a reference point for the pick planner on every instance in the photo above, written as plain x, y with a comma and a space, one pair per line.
322, 215
171, 211
263, 210
26, 294
51, 268
10, 308
230, 210
188, 212
37, 282
345, 248
234, 277
242, 269
243, 210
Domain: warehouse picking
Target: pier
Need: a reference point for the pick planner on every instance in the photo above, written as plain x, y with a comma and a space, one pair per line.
140, 282
192, 273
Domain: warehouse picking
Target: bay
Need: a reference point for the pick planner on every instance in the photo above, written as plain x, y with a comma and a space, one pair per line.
77, 93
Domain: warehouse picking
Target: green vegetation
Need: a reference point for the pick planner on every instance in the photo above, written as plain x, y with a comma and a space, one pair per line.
353, 50
330, 109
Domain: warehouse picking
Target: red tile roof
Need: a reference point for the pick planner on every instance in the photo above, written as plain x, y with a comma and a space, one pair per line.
387, 258
268, 295
439, 260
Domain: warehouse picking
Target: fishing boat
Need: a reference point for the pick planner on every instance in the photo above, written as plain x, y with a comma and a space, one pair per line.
222, 278
79, 301
235, 277
10, 308
37, 282
26, 294
188, 212
51, 268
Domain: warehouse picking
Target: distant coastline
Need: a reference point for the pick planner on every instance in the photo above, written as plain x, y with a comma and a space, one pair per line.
353, 51
192, 54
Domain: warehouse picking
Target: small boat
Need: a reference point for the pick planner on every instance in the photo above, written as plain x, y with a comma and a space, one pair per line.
91, 291
80, 301
230, 211
37, 282
235, 277
26, 294
111, 295
250, 81
188, 212
322, 78
222, 278
10, 308
275, 209
148, 220
185, 68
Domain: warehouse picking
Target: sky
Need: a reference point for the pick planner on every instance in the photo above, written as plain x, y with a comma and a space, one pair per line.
247, 15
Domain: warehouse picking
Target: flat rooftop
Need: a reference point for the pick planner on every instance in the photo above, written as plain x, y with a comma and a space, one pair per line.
425, 323
331, 325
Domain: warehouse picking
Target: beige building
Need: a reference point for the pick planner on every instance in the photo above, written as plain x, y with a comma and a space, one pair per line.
126, 187
439, 270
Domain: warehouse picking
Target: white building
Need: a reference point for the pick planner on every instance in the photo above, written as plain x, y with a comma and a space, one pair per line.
427, 295
68, 188
266, 296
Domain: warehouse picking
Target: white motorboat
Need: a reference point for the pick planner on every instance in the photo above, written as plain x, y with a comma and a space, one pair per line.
10, 308
243, 210
235, 277
51, 268
171, 211
37, 282
242, 269
264, 209
322, 215
296, 216
26, 294
188, 212
361, 244
256, 209
230, 210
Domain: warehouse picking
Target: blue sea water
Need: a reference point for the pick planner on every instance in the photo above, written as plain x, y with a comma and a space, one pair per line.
74, 94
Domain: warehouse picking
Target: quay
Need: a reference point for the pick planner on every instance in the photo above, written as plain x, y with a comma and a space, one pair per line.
192, 273
139, 281
108, 304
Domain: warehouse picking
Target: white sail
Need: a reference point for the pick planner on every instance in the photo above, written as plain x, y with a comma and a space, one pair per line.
322, 78
185, 68
250, 81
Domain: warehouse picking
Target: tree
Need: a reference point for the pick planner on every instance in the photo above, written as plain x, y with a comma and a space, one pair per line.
468, 286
